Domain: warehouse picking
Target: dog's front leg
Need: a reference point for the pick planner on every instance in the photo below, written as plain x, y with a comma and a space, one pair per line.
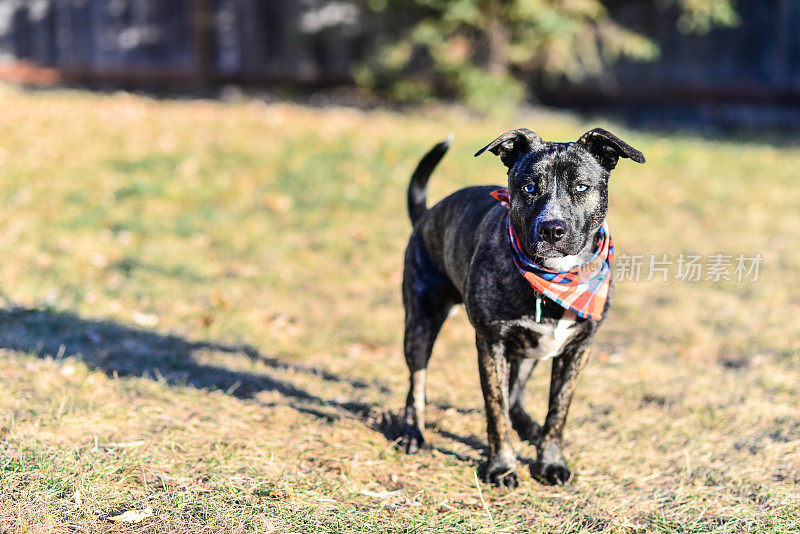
501, 466
550, 464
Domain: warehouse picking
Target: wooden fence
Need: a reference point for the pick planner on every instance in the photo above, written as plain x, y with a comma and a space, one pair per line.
180, 41
317, 42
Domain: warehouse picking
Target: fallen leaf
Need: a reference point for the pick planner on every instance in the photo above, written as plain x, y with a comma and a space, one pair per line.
220, 300
280, 203
132, 516
381, 494
269, 526
145, 319
124, 445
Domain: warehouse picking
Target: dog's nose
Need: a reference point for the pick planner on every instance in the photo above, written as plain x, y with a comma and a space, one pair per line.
552, 231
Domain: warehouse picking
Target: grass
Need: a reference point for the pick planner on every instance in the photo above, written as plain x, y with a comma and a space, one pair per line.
201, 315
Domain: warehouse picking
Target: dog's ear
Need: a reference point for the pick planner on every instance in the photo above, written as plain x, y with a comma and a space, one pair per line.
511, 145
607, 148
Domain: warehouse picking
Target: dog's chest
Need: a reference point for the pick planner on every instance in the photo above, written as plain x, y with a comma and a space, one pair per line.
527, 338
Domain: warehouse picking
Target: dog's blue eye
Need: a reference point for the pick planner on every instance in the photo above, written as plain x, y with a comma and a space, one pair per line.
529, 188
580, 188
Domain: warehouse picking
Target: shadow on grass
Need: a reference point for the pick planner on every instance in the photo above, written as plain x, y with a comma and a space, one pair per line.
121, 350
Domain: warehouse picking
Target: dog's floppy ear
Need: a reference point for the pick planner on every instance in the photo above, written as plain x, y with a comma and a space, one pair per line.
511, 144
607, 148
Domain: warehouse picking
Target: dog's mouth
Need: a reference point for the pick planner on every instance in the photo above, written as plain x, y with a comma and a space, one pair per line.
542, 250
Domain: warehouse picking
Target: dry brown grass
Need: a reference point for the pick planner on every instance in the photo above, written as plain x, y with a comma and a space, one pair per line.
202, 316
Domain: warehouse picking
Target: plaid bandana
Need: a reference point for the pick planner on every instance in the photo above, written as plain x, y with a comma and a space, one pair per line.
582, 290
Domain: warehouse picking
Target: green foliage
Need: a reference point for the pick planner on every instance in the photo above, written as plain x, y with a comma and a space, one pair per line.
700, 16
485, 52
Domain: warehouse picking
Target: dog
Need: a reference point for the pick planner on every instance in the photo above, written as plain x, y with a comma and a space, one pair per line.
503, 253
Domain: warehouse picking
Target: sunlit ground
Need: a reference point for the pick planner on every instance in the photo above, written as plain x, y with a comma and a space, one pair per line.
201, 319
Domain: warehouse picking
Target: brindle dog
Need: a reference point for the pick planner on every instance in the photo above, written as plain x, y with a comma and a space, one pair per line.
459, 253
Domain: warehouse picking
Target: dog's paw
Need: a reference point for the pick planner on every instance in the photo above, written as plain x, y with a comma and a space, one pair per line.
410, 439
554, 474
499, 473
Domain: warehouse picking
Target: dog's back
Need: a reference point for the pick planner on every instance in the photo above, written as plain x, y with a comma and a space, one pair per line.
451, 229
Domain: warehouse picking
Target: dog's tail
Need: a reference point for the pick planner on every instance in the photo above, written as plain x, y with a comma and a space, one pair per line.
417, 189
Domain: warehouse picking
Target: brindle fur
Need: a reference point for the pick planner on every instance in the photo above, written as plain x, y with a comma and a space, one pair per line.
458, 253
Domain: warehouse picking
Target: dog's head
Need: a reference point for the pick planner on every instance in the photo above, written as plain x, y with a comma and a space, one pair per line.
558, 191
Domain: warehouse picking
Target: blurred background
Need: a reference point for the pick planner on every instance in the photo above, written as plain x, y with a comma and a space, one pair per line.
202, 225
718, 62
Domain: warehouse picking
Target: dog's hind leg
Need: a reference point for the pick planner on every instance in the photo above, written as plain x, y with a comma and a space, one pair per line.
428, 296
521, 421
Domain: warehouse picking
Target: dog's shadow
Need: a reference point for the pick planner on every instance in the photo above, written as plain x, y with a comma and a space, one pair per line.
122, 350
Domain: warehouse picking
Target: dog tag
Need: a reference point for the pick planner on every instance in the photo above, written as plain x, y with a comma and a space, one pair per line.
538, 317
